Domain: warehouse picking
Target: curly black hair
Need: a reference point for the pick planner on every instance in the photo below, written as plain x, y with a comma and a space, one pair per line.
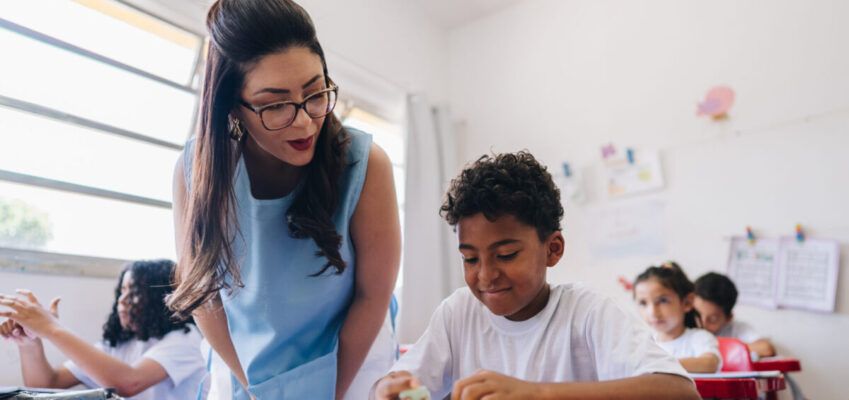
718, 289
671, 276
151, 318
508, 183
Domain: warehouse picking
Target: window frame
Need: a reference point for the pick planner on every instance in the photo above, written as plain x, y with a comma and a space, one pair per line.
54, 263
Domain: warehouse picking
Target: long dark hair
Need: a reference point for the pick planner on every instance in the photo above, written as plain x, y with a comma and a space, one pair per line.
241, 32
149, 316
671, 276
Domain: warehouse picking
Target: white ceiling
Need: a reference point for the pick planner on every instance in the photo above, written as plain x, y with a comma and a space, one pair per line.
454, 13
448, 14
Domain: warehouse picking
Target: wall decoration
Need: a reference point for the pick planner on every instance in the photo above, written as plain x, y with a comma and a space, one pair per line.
717, 103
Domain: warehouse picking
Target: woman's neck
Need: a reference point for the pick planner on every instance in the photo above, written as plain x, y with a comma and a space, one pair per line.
269, 176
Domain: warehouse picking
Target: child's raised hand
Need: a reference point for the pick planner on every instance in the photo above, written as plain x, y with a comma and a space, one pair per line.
29, 314
391, 385
493, 385
13, 331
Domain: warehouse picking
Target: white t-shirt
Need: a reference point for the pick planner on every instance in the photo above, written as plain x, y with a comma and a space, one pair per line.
177, 352
739, 330
693, 342
578, 336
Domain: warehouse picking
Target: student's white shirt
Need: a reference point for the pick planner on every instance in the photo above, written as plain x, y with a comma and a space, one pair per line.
578, 336
739, 330
177, 352
693, 342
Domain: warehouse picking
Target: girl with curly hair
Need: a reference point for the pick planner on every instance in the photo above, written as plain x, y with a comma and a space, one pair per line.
144, 354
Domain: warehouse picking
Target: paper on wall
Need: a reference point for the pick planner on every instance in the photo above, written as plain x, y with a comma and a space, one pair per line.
807, 274
751, 265
785, 272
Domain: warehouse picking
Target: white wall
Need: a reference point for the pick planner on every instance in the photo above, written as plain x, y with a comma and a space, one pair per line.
392, 40
561, 78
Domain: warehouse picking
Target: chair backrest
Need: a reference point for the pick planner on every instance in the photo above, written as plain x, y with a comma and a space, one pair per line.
735, 355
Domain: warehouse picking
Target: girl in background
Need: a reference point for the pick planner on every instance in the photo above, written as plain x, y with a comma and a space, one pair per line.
665, 299
144, 354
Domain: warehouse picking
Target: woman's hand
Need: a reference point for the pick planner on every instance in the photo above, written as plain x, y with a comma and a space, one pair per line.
495, 386
31, 318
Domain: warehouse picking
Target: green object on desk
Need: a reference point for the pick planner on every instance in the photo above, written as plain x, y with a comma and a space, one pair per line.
419, 393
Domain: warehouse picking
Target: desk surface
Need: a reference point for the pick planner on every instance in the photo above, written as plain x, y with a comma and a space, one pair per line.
738, 388
782, 364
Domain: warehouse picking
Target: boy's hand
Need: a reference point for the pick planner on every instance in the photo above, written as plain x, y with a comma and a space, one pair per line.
388, 387
29, 314
494, 386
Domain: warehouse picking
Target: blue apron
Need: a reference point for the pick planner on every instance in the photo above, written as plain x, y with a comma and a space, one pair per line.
284, 323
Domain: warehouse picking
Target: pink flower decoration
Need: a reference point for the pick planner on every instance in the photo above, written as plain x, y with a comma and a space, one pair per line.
717, 102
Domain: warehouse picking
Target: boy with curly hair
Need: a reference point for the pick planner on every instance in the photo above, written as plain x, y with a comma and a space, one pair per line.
511, 335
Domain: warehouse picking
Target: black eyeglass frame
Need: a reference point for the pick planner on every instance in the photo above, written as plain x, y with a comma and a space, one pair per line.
298, 107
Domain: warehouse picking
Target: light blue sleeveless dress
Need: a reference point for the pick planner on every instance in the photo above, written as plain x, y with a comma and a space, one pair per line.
284, 323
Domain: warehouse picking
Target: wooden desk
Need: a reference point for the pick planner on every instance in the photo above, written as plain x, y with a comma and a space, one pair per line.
733, 388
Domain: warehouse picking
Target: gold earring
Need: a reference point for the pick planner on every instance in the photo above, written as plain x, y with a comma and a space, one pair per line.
235, 128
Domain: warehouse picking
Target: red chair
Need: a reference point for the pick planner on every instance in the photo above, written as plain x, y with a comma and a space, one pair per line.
735, 355
736, 358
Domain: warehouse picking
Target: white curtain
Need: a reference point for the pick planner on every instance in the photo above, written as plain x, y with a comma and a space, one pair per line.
432, 270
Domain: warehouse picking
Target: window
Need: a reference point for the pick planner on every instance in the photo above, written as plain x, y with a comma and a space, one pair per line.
96, 101
390, 137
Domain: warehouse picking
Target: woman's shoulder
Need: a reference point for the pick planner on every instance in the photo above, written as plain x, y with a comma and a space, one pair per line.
359, 145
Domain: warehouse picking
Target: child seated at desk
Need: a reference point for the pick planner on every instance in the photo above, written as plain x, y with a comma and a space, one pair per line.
664, 296
144, 355
716, 295
512, 335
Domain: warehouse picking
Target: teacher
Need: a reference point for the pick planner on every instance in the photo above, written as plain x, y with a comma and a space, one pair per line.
286, 222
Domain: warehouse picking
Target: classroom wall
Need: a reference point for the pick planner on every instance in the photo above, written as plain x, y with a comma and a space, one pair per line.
390, 40
561, 78
383, 46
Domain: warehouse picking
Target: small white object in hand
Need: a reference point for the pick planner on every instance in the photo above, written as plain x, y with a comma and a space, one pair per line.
419, 393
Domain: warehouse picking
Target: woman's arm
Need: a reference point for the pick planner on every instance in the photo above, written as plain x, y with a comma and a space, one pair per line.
705, 363
210, 318
376, 233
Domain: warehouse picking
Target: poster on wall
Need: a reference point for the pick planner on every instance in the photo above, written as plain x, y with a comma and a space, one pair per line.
751, 265
571, 184
785, 272
635, 228
636, 173
807, 273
